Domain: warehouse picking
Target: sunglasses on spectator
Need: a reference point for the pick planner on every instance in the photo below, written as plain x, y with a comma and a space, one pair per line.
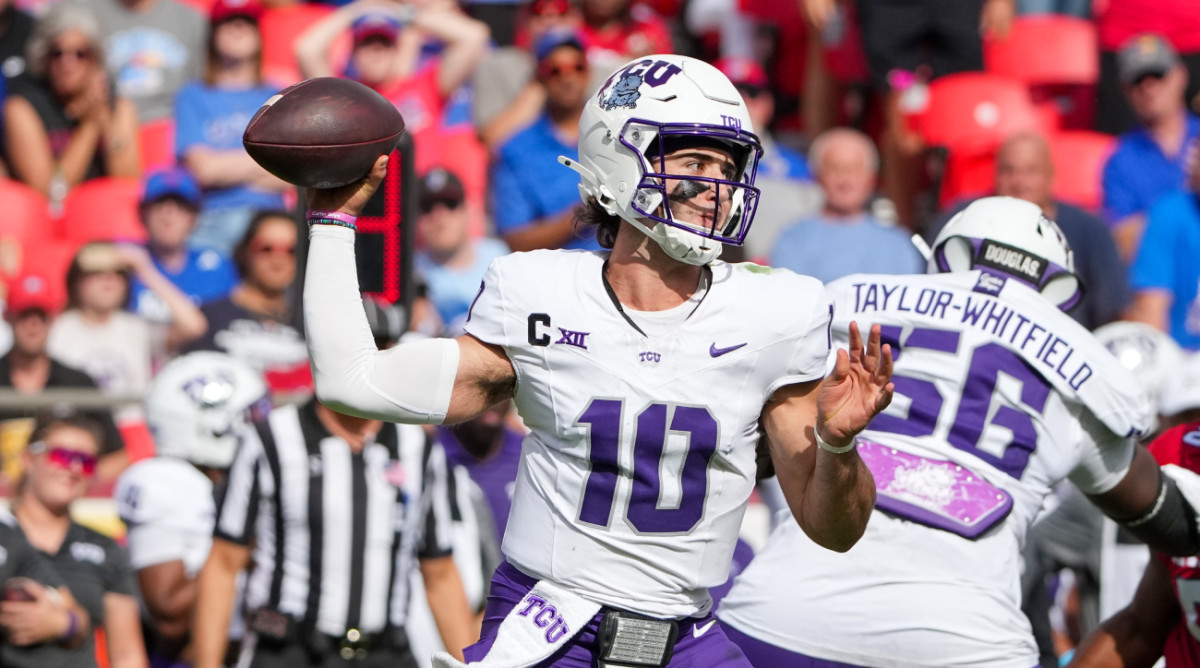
751, 91
430, 205
65, 458
267, 249
548, 70
78, 54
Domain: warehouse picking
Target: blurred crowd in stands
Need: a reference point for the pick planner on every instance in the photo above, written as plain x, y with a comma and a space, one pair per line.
134, 226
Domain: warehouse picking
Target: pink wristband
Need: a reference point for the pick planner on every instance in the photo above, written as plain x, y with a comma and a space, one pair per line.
345, 218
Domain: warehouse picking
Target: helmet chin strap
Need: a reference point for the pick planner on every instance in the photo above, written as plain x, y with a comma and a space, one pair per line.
683, 246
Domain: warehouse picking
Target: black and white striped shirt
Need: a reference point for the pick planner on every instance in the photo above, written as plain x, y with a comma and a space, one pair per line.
336, 534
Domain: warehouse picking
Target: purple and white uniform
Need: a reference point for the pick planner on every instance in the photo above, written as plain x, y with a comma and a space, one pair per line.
999, 396
640, 460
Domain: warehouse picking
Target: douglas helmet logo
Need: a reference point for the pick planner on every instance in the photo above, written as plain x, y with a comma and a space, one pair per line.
1012, 261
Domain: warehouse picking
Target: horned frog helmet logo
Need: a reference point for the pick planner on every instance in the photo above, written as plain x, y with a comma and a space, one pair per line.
624, 93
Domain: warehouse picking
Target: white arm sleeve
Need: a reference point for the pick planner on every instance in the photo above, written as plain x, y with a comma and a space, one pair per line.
409, 383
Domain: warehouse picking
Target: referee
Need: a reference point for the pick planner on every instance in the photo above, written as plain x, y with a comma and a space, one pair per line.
334, 513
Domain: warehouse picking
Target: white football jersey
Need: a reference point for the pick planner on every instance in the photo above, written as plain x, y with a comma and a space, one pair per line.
640, 460
993, 378
169, 510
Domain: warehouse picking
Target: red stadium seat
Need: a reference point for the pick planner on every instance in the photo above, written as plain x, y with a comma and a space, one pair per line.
1057, 57
975, 112
156, 140
1046, 49
280, 28
970, 115
103, 210
26, 212
1079, 158
49, 258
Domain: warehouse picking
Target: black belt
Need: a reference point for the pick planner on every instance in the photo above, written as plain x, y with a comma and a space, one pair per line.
277, 628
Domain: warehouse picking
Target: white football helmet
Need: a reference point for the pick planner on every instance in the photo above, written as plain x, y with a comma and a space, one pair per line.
648, 108
198, 404
1014, 238
1152, 355
1181, 389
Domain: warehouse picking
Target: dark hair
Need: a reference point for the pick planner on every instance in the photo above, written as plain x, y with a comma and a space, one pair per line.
591, 213
76, 274
61, 416
241, 252
210, 65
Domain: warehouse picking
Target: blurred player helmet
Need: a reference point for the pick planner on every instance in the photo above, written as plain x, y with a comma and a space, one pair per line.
198, 404
1180, 390
1152, 355
1014, 238
646, 109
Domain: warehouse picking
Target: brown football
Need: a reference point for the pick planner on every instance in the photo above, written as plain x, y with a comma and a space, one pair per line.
323, 133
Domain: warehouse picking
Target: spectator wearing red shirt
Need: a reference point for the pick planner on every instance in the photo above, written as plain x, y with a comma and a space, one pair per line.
385, 53
615, 31
1120, 20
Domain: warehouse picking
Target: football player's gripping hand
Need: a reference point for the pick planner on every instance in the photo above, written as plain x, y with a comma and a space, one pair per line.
349, 199
858, 388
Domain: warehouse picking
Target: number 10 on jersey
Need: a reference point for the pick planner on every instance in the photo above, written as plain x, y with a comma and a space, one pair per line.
603, 418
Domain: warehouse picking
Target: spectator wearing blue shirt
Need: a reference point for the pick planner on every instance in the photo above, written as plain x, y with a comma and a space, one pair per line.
451, 262
1149, 161
533, 197
1166, 276
169, 207
210, 117
845, 163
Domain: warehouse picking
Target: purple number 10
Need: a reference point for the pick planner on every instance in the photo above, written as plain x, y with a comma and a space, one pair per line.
603, 419
971, 420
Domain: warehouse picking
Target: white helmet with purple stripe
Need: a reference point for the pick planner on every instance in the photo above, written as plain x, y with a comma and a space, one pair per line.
647, 109
1011, 237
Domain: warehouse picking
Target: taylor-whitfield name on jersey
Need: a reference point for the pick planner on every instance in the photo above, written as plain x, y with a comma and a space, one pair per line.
978, 310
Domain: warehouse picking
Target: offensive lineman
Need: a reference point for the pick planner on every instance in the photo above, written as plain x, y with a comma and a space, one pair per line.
196, 408
1000, 395
645, 374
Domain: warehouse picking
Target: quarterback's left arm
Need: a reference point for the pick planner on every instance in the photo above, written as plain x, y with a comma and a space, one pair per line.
831, 494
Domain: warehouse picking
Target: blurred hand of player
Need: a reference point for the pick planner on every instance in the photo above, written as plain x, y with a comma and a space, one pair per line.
858, 388
352, 198
33, 621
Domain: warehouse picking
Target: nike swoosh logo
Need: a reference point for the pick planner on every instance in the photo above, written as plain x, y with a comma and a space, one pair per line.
717, 352
698, 631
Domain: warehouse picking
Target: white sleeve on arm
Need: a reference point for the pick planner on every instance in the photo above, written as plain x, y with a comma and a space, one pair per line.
409, 383
1105, 457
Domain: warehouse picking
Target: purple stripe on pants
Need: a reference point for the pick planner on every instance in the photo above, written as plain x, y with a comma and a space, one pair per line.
701, 644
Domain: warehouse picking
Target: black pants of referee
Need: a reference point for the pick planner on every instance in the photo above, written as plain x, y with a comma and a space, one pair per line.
298, 655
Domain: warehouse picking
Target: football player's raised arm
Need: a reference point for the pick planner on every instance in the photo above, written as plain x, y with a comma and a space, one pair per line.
811, 429
1134, 637
424, 382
